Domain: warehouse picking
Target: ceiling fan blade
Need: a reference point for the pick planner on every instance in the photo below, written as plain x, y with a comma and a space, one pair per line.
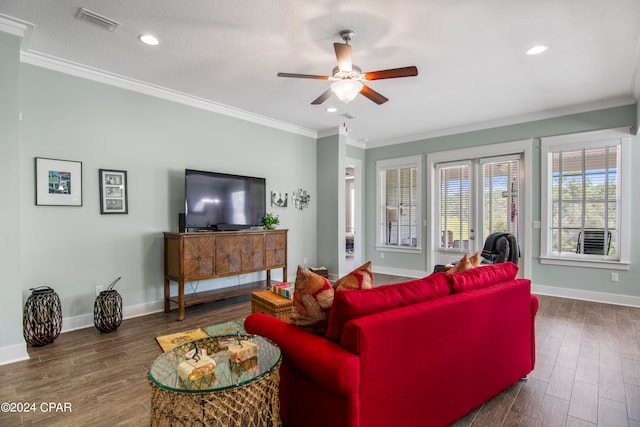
392, 73
319, 100
303, 76
373, 95
343, 55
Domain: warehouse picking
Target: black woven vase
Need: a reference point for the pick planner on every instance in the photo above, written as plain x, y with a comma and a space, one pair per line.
42, 316
107, 310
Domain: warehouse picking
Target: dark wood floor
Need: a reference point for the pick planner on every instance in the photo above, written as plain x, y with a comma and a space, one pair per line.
587, 370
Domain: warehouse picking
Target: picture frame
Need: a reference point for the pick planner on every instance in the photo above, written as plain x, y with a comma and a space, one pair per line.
58, 182
279, 199
113, 191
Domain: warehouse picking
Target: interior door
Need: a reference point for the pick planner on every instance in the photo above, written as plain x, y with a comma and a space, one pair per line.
477, 197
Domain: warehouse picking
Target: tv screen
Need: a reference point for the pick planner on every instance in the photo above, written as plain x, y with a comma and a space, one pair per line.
218, 201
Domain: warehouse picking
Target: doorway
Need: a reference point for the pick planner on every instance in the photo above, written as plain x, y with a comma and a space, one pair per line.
475, 193
353, 214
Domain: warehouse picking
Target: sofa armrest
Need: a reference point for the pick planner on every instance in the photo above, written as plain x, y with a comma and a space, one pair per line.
324, 361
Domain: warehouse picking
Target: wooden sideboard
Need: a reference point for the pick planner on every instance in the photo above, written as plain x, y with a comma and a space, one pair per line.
210, 254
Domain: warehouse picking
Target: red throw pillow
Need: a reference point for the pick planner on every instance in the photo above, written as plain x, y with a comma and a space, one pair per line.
360, 278
351, 304
312, 301
483, 276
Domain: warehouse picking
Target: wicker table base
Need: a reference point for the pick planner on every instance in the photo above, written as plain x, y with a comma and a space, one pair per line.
243, 394
252, 405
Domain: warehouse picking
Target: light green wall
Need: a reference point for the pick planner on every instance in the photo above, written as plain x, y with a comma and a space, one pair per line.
330, 208
586, 279
12, 345
74, 249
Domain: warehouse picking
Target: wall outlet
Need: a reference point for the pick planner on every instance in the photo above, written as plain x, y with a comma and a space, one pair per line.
99, 289
381, 254
614, 276
304, 260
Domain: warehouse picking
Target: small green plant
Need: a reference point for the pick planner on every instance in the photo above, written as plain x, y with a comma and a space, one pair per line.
270, 220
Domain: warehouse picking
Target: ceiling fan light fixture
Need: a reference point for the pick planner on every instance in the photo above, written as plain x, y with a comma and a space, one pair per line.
346, 90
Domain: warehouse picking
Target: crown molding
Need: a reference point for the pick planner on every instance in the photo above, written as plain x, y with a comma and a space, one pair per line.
101, 76
525, 118
17, 27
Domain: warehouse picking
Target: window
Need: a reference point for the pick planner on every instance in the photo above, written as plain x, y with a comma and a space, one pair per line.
398, 201
478, 194
455, 195
584, 181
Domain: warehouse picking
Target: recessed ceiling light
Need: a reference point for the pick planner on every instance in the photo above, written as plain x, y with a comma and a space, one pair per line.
148, 39
331, 110
537, 49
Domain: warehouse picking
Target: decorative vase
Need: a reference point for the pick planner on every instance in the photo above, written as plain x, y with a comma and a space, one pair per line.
42, 316
107, 309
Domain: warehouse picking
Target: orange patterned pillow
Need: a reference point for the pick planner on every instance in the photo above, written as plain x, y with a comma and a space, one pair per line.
463, 265
360, 278
312, 301
475, 259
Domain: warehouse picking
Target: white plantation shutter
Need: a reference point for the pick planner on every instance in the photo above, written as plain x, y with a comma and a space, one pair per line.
585, 195
454, 205
501, 183
398, 202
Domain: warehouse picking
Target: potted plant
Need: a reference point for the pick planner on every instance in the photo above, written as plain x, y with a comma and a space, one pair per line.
270, 220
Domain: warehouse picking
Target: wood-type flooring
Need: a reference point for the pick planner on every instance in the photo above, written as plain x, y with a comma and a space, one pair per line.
587, 370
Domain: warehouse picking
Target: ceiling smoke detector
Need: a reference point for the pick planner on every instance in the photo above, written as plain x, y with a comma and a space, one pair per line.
96, 19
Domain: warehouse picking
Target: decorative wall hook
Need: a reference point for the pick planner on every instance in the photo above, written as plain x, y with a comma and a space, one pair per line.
301, 198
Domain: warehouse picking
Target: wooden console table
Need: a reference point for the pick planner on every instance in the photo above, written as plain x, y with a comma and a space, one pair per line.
210, 254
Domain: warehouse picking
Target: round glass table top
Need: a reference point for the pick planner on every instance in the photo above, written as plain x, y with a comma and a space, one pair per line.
227, 374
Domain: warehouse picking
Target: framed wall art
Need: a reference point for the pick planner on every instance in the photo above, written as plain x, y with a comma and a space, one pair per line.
280, 199
113, 191
58, 182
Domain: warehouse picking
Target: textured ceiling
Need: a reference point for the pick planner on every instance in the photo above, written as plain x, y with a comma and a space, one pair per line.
473, 72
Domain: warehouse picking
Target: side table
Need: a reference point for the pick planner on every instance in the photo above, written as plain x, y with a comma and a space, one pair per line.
268, 302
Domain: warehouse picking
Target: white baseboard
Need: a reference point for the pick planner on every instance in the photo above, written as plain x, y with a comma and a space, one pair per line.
13, 353
18, 352
579, 294
86, 320
399, 272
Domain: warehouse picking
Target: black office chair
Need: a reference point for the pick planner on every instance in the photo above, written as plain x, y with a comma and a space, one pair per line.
594, 242
500, 247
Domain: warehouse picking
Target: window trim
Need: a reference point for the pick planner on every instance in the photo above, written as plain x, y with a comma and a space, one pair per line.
399, 163
593, 139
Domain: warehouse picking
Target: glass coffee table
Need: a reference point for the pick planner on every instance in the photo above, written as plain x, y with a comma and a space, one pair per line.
236, 394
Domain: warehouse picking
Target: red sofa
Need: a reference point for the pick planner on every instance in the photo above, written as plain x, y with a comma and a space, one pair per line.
419, 353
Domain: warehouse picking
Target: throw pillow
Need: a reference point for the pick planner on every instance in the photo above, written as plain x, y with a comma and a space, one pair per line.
483, 276
475, 259
463, 265
352, 304
360, 278
312, 301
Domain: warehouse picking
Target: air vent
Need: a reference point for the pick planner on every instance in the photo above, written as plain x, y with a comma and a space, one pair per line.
95, 19
349, 116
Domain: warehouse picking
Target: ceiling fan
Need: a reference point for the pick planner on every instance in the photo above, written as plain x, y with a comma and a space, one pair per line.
348, 78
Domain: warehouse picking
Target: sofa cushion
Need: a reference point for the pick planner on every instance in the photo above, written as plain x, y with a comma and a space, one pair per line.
360, 278
483, 276
312, 300
351, 304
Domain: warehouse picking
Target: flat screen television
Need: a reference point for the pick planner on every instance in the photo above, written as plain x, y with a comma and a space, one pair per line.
218, 201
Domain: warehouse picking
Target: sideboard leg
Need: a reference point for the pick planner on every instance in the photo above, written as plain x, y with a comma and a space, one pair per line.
167, 304
181, 300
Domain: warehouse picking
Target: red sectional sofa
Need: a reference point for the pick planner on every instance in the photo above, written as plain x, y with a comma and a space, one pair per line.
419, 353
